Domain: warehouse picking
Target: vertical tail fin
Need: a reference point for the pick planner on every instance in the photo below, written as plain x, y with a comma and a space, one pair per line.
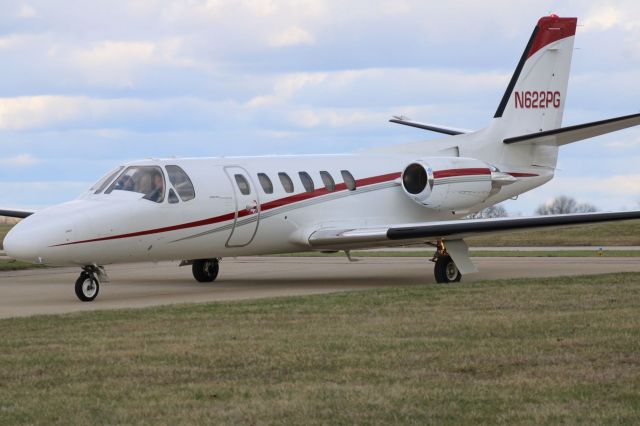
534, 100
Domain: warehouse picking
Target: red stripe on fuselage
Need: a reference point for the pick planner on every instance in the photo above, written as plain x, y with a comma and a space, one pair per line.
242, 213
438, 174
517, 174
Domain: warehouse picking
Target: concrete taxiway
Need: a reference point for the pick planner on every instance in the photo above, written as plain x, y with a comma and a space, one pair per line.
50, 291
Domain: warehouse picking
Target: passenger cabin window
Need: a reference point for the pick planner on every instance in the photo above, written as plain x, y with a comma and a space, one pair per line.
307, 182
286, 182
265, 182
243, 185
328, 181
147, 180
181, 182
105, 180
348, 179
172, 197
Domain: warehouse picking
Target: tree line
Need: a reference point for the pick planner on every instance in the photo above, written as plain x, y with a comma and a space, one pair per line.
559, 205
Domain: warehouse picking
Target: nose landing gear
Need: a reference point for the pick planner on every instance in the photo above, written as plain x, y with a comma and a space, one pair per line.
88, 283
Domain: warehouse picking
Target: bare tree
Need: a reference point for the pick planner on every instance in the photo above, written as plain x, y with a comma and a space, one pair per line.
565, 205
489, 212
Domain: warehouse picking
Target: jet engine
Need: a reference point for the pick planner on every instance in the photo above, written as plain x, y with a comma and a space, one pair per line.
451, 183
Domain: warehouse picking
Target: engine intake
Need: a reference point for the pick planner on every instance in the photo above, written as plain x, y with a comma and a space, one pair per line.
415, 178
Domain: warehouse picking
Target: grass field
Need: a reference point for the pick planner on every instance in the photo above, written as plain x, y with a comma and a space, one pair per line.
3, 231
14, 265
525, 351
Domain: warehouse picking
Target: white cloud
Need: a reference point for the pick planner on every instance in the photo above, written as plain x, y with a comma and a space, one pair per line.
120, 63
264, 101
16, 41
261, 7
22, 160
293, 36
113, 62
108, 52
32, 112
333, 118
27, 11
140, 77
602, 19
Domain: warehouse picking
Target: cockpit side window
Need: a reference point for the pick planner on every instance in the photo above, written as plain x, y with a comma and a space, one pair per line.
147, 180
105, 180
172, 197
181, 182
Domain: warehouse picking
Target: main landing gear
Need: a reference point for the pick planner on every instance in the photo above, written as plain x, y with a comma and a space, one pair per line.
445, 269
88, 283
205, 270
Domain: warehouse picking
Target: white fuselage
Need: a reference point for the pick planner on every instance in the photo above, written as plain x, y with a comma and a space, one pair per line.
122, 226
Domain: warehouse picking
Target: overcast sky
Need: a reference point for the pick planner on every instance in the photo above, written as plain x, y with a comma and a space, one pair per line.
87, 85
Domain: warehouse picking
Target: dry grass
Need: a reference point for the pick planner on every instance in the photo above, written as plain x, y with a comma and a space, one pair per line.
4, 228
15, 265
563, 350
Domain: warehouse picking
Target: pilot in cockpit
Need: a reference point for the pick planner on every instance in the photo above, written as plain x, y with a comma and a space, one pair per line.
157, 192
147, 180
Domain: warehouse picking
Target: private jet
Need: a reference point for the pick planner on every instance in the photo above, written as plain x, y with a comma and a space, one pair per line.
200, 210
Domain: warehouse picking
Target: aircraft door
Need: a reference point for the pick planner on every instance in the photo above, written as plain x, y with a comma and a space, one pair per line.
247, 204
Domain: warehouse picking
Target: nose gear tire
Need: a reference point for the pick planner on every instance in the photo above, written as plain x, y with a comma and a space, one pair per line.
87, 287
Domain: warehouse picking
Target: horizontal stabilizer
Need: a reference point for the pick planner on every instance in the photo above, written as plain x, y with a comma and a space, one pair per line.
431, 127
566, 135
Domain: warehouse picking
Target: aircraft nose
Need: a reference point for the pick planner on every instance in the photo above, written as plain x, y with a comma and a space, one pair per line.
32, 238
19, 246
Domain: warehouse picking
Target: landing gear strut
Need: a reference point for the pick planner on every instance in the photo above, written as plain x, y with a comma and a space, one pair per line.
205, 270
445, 269
88, 284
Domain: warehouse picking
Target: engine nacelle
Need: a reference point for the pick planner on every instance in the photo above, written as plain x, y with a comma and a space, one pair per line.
447, 183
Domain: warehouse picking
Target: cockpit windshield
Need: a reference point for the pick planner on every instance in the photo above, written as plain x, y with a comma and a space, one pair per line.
147, 180
105, 180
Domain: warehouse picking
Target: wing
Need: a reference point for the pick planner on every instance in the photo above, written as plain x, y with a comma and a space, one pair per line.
18, 213
431, 127
384, 236
566, 135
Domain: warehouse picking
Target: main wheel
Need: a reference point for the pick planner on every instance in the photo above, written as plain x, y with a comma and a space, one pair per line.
205, 270
446, 270
87, 287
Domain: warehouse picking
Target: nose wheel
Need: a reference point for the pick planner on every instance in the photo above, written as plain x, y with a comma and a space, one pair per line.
88, 283
87, 286
205, 270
